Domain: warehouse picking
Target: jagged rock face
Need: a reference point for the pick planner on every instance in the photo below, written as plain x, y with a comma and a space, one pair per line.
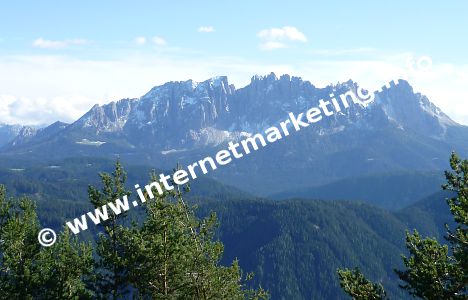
108, 118
185, 121
179, 112
27, 134
190, 114
414, 111
267, 100
8, 133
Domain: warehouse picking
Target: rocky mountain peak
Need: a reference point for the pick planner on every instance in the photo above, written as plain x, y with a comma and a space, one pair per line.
181, 114
413, 111
24, 135
106, 118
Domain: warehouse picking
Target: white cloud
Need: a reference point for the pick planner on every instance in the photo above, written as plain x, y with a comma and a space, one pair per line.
206, 29
63, 88
443, 84
276, 38
140, 40
272, 45
159, 41
59, 44
41, 110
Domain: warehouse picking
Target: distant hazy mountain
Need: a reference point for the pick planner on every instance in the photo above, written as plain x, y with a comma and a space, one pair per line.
29, 135
389, 190
8, 133
185, 121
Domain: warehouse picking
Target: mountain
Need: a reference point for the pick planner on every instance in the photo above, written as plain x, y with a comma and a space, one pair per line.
184, 121
8, 133
392, 191
388, 154
14, 136
28, 135
294, 247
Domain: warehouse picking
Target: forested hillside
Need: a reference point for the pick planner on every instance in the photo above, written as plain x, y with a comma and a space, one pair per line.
294, 247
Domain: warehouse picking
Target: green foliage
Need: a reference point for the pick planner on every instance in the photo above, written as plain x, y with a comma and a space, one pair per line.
111, 276
357, 286
294, 247
28, 271
429, 269
261, 234
171, 255
19, 248
457, 181
65, 268
174, 256
432, 271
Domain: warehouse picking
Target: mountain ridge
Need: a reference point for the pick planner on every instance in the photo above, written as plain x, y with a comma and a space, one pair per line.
180, 121
212, 104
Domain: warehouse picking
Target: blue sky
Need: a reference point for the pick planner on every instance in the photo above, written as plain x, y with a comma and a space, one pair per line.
59, 58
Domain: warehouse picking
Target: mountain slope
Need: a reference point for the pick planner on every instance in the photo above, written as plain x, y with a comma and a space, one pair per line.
186, 121
390, 190
8, 133
295, 246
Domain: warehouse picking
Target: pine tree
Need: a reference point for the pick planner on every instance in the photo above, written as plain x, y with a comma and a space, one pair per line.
457, 181
358, 287
29, 271
65, 268
432, 271
429, 269
173, 255
111, 275
19, 248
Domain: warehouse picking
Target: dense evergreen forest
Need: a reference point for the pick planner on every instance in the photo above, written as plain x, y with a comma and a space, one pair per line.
293, 247
432, 270
170, 254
